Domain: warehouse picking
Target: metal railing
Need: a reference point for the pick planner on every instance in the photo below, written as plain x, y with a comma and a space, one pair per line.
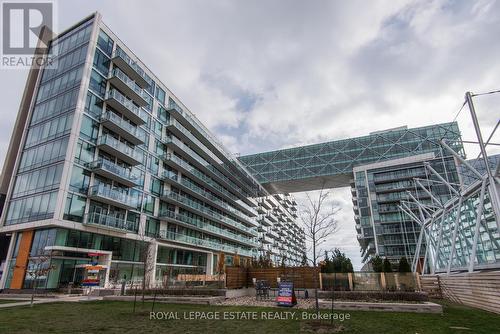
108, 221
107, 192
113, 168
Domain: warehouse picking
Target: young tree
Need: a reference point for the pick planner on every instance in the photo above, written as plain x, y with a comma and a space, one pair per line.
387, 266
38, 267
404, 265
146, 256
377, 264
318, 218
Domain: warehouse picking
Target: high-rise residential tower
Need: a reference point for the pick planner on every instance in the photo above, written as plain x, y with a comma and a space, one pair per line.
107, 166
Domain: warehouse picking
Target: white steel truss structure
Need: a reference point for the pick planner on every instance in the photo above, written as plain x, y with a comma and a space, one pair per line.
463, 233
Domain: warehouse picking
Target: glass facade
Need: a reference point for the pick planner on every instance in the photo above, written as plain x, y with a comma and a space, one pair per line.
306, 168
378, 193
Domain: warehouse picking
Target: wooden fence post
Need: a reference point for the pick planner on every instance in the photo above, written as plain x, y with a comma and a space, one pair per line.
320, 282
382, 281
351, 285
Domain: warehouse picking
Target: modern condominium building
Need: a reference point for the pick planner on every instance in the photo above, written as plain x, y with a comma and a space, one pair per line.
379, 190
281, 239
106, 166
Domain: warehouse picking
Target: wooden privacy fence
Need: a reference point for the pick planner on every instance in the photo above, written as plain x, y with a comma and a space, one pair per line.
370, 281
302, 277
480, 289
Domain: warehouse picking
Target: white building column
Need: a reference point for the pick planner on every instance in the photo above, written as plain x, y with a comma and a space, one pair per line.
8, 260
150, 274
210, 265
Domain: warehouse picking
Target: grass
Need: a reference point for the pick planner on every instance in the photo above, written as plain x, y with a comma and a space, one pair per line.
117, 317
8, 301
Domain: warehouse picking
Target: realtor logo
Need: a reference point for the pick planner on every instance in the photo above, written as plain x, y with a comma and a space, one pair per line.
22, 23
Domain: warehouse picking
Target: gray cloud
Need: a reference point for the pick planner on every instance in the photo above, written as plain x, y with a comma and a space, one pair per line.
270, 74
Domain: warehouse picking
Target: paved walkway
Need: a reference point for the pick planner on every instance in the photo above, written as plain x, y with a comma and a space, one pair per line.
27, 301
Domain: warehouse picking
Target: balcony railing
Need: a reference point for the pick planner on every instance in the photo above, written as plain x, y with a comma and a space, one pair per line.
200, 160
126, 106
206, 227
110, 222
128, 86
120, 172
120, 149
130, 132
178, 237
112, 196
133, 69
206, 134
207, 196
208, 212
204, 178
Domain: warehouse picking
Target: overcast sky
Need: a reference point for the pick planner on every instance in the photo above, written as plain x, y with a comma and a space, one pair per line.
269, 74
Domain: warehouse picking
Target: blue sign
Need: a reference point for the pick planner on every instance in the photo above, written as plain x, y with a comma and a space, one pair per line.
286, 294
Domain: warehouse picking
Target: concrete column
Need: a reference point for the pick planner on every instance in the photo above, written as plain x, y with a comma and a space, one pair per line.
210, 266
151, 264
8, 260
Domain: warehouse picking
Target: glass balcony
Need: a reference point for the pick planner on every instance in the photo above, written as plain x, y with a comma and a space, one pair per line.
197, 160
206, 227
196, 191
130, 67
108, 195
128, 86
119, 102
186, 202
177, 163
190, 122
185, 239
120, 150
115, 172
109, 222
131, 133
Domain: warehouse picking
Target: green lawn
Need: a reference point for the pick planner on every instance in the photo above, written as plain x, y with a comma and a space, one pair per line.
8, 301
117, 317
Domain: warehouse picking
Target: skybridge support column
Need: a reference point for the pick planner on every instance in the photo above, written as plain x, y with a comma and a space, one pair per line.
428, 241
454, 236
495, 200
478, 223
438, 244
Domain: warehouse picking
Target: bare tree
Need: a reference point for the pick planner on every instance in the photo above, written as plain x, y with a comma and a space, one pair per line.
39, 267
147, 259
318, 218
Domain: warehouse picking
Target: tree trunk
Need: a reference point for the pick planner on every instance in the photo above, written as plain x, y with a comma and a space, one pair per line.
316, 285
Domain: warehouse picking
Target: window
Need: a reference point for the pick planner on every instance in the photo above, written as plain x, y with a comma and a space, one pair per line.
101, 62
75, 208
93, 105
44, 154
80, 180
160, 95
152, 227
154, 164
84, 152
97, 83
105, 43
54, 128
149, 204
39, 180
163, 114
89, 129
54, 106
32, 208
156, 186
